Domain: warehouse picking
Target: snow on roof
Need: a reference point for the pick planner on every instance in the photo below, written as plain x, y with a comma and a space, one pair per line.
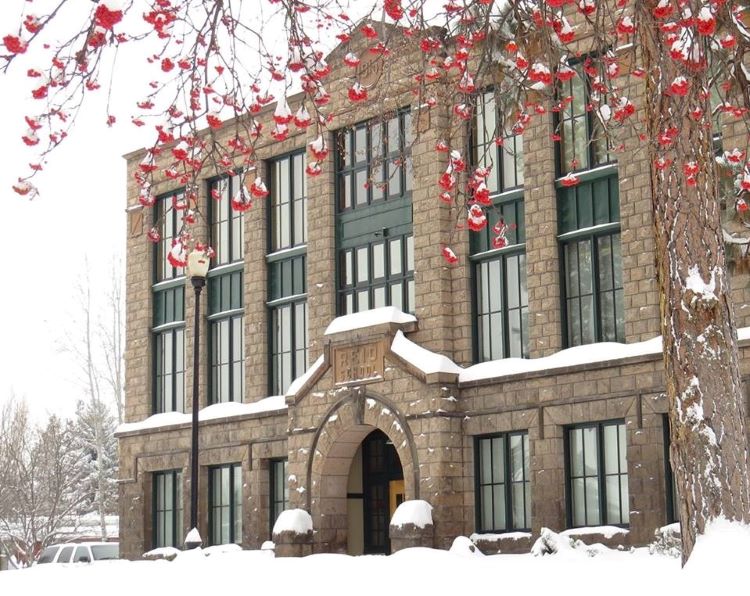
369, 318
415, 512
213, 412
425, 360
293, 520
299, 382
599, 352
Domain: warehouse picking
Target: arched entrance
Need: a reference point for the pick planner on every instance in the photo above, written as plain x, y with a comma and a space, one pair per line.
375, 488
362, 460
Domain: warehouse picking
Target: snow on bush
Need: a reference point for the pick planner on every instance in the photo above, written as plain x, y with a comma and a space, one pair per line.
415, 512
297, 521
550, 543
167, 553
667, 541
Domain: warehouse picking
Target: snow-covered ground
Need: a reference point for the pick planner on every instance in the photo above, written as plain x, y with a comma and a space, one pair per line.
717, 566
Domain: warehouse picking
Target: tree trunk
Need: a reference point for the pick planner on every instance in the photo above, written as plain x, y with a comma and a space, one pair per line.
709, 449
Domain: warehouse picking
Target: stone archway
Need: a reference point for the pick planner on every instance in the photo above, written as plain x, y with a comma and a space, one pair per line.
337, 439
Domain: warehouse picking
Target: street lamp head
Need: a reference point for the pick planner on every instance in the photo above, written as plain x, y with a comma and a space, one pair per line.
198, 261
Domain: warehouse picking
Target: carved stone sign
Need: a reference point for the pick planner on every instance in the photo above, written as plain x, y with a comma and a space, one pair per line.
370, 69
362, 363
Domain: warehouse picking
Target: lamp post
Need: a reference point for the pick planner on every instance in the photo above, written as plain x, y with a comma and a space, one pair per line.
198, 262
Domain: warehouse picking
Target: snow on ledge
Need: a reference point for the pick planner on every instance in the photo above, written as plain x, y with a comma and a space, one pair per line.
214, 412
415, 512
369, 318
300, 381
606, 531
590, 353
297, 521
499, 537
425, 360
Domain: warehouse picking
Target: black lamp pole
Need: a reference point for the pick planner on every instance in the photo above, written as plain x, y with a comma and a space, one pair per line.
198, 283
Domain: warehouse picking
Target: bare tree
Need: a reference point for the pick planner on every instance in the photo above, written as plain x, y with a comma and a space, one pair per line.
42, 489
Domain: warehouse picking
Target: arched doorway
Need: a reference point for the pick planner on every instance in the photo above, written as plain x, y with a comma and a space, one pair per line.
335, 472
374, 490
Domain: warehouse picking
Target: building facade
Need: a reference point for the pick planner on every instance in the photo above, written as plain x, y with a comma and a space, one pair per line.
346, 367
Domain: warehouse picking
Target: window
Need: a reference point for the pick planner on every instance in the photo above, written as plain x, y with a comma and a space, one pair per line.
167, 508
169, 349
82, 555
226, 337
65, 553
505, 160
598, 475
374, 220
168, 218
500, 296
374, 162
583, 143
503, 492
225, 504
227, 225
589, 227
588, 223
377, 274
287, 272
225, 295
279, 489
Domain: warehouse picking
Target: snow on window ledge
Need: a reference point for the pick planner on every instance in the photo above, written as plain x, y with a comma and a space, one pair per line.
606, 531
302, 380
489, 537
212, 412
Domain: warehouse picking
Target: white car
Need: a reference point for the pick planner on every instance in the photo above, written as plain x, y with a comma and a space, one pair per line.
81, 552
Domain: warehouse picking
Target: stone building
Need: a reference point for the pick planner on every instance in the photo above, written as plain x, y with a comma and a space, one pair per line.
346, 367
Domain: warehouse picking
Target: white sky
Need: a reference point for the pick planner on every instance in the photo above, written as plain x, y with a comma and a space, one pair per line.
79, 215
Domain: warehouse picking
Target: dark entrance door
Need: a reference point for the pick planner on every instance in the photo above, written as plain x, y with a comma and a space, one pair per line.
382, 475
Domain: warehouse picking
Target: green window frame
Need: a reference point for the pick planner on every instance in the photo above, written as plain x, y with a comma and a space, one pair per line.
505, 161
170, 223
591, 260
227, 225
225, 504
168, 344
378, 273
287, 272
374, 161
502, 482
226, 337
500, 296
278, 494
375, 247
597, 474
583, 143
288, 210
167, 509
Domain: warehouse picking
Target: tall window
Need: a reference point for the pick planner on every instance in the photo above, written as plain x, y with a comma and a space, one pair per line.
279, 489
588, 224
583, 143
670, 486
226, 337
374, 222
169, 220
167, 509
598, 474
225, 504
169, 349
500, 296
503, 491
225, 294
287, 271
227, 225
